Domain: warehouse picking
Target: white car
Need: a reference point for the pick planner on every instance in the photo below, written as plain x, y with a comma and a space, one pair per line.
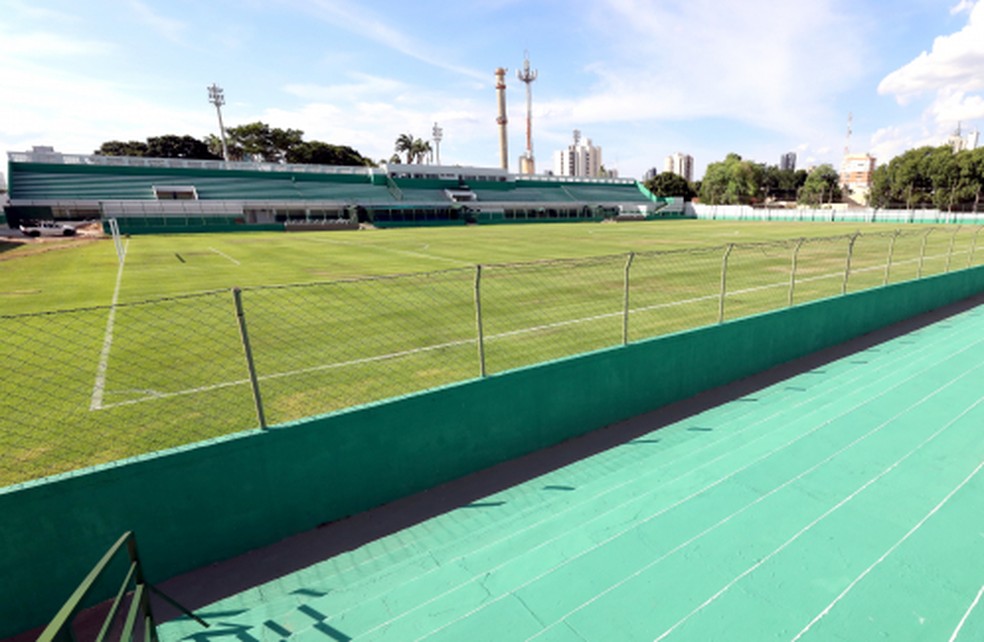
47, 228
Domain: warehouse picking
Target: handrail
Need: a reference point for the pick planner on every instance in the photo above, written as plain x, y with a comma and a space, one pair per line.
60, 625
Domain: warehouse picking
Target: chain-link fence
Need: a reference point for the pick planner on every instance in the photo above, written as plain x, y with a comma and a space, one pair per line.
90, 386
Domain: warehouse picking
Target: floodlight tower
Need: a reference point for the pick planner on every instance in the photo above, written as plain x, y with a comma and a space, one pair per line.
500, 90
526, 163
216, 97
437, 134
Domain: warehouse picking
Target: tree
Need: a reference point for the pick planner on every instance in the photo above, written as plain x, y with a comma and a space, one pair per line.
781, 184
732, 181
171, 146
419, 149
119, 148
404, 143
316, 152
258, 141
822, 186
670, 184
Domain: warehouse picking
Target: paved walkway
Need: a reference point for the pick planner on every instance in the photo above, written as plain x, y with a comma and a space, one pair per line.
843, 503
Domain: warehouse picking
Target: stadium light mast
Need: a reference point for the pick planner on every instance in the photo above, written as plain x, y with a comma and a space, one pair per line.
526, 163
216, 97
437, 134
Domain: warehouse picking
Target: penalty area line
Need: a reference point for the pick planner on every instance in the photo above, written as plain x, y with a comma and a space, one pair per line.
225, 256
100, 384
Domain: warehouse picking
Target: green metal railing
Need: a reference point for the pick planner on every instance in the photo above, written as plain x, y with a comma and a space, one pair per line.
134, 586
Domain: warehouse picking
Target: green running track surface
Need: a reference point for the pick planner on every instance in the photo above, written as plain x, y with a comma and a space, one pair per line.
844, 503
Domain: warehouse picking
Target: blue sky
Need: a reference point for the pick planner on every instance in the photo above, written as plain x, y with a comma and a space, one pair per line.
642, 79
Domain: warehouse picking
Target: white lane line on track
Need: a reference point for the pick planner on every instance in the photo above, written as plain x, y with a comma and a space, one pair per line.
829, 512
680, 502
894, 546
963, 620
744, 508
619, 487
225, 256
99, 387
461, 342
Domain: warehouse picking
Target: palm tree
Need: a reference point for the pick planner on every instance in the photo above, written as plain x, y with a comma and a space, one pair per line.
419, 149
404, 143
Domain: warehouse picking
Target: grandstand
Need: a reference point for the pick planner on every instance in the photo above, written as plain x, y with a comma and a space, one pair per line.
147, 195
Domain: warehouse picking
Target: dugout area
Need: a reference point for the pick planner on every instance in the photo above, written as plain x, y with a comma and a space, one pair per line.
196, 505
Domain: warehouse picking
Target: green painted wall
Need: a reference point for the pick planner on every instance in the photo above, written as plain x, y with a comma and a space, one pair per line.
196, 505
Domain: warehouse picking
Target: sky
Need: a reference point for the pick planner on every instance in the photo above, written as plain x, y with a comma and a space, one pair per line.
641, 78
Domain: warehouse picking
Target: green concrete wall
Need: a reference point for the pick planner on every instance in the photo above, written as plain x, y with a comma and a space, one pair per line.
196, 505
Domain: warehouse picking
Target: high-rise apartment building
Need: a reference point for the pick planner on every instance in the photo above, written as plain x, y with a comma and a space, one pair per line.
958, 142
856, 171
580, 159
681, 164
788, 162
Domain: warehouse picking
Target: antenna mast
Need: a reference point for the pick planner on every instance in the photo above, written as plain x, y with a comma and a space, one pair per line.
847, 140
526, 163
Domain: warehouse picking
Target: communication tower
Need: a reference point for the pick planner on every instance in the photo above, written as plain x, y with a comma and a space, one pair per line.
526, 163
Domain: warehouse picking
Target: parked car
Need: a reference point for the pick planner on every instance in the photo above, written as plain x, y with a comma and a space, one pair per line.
47, 228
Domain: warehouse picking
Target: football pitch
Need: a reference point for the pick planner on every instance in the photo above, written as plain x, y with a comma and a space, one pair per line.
105, 360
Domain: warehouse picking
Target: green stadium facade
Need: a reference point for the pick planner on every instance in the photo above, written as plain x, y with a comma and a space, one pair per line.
152, 195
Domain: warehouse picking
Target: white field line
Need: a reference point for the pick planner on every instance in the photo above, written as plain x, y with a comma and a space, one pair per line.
690, 497
963, 620
894, 546
224, 255
493, 337
419, 255
100, 384
837, 507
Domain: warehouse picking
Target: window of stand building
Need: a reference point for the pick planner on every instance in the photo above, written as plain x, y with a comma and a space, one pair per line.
175, 193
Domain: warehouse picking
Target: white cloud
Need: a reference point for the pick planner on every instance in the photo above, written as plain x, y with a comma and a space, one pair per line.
962, 6
767, 64
953, 64
363, 22
171, 29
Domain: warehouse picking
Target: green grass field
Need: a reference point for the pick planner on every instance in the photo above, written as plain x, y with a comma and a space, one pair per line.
337, 319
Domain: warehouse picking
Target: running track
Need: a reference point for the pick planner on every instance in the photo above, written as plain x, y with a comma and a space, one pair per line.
844, 503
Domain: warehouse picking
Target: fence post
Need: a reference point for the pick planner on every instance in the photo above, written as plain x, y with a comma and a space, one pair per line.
625, 300
792, 271
478, 320
949, 255
724, 281
244, 335
973, 247
891, 253
922, 252
847, 265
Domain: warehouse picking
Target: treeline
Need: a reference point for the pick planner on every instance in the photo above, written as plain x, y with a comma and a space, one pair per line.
930, 177
736, 181
256, 142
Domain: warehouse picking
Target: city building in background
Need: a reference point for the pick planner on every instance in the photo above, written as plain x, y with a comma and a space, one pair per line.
855, 175
580, 159
788, 162
681, 164
958, 142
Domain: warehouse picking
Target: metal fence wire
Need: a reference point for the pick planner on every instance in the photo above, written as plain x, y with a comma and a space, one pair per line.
90, 386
